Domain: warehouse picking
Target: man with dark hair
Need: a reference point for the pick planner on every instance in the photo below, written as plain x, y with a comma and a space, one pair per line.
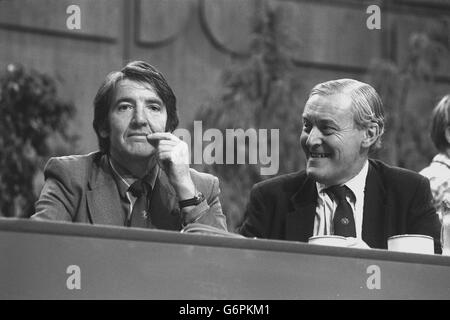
341, 191
438, 172
141, 175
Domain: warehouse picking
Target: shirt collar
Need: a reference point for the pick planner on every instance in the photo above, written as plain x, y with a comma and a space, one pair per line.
356, 184
123, 185
442, 158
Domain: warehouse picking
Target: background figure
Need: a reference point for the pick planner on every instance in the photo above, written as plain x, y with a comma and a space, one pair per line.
438, 172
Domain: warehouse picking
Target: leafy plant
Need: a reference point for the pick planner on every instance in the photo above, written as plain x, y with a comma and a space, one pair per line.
33, 126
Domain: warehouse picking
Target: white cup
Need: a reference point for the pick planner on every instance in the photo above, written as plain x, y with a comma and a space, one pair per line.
412, 243
329, 240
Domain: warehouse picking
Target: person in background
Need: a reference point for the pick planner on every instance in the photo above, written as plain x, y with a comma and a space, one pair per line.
141, 176
342, 191
438, 172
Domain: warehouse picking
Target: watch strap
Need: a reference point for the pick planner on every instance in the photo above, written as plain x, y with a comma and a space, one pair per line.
196, 200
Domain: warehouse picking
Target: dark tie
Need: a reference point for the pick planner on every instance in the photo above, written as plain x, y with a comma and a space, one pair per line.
343, 221
139, 216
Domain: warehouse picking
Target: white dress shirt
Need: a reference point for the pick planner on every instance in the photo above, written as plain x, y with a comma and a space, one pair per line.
326, 206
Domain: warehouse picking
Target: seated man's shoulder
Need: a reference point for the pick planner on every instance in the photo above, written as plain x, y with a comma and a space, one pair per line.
394, 175
73, 166
289, 181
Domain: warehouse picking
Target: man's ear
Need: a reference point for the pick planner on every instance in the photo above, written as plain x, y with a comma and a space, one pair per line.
103, 131
371, 135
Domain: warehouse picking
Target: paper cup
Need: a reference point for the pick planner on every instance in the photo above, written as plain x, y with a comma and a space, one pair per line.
329, 240
413, 243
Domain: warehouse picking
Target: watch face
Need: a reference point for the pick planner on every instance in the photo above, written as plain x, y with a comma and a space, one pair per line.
198, 198
201, 197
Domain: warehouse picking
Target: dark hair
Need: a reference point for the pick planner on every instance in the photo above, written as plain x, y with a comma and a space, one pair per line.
439, 123
137, 71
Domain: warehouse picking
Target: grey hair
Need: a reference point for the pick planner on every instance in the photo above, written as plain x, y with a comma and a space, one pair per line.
367, 106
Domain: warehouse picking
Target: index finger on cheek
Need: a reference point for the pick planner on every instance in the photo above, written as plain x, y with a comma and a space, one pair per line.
160, 136
154, 139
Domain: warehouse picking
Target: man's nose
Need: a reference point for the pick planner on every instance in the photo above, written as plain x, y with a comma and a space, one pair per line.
314, 137
139, 115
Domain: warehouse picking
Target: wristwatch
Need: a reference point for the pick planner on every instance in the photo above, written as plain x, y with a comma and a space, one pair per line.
196, 200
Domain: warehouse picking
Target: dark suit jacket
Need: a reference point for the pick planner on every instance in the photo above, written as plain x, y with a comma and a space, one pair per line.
83, 189
396, 201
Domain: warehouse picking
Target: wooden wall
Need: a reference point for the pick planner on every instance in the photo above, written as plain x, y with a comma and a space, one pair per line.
192, 41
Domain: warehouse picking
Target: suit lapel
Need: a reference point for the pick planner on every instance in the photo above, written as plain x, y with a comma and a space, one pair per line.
104, 204
103, 197
373, 231
300, 221
164, 210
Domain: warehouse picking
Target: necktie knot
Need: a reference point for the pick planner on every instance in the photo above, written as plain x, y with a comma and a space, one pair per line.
339, 192
139, 187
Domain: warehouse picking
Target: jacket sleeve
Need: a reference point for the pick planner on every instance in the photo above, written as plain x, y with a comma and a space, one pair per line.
209, 211
422, 218
57, 199
256, 217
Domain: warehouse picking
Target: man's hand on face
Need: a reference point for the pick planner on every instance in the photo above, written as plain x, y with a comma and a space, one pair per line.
172, 155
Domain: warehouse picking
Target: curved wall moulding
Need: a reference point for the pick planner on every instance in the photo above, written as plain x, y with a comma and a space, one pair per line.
228, 24
321, 33
154, 28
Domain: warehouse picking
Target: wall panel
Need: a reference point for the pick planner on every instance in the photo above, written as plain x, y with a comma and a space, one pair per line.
34, 33
98, 18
